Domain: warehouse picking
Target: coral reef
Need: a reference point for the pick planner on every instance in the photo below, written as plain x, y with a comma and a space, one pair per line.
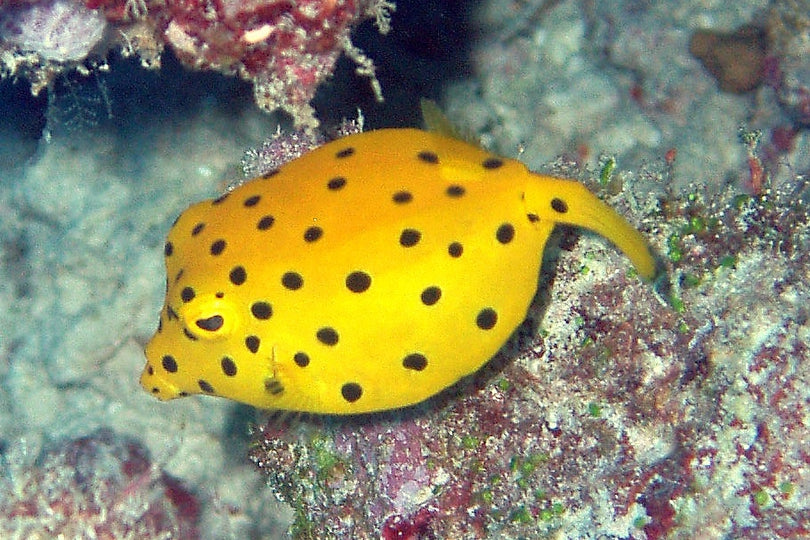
98, 486
283, 147
285, 49
627, 414
58, 30
581, 78
631, 413
39, 39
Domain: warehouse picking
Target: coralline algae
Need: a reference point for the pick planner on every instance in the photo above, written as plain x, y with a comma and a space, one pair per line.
285, 49
98, 486
633, 414
57, 30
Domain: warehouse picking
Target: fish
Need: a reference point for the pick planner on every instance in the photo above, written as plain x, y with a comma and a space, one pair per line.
366, 275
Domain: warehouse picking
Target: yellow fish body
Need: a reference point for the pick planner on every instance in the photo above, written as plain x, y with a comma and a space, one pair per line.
369, 274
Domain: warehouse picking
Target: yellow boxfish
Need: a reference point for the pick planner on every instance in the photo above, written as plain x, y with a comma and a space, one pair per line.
366, 275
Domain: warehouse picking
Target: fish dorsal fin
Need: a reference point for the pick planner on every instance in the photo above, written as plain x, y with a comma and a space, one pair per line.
437, 122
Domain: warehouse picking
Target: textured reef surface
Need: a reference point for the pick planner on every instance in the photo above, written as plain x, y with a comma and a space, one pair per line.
96, 486
286, 49
618, 410
632, 413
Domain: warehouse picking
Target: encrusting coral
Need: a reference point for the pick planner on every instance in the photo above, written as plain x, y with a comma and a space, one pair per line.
286, 49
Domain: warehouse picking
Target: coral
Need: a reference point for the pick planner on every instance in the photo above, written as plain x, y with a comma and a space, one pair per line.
56, 29
45, 35
630, 413
283, 147
98, 486
286, 49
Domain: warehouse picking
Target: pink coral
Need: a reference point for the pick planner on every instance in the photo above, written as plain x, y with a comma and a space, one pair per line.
286, 49
57, 29
98, 486
39, 38
625, 417
283, 147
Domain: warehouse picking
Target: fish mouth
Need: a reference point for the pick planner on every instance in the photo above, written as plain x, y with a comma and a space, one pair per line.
153, 380
156, 384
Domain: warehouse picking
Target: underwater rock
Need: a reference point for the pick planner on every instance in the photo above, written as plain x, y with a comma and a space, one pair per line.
735, 59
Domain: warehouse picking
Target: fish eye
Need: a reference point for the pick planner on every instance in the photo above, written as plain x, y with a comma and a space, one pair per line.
209, 317
210, 324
